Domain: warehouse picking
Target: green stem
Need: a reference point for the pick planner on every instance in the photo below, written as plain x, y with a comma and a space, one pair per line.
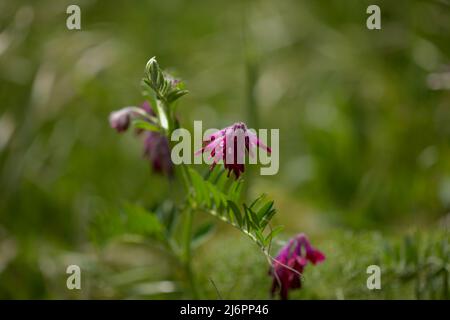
167, 121
187, 232
188, 252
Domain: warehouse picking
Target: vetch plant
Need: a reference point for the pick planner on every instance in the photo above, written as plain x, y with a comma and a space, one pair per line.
218, 193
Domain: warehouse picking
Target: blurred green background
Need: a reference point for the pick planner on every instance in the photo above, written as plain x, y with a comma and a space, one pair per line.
364, 141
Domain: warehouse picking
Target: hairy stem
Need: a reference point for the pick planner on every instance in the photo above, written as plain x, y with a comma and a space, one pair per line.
187, 253
187, 227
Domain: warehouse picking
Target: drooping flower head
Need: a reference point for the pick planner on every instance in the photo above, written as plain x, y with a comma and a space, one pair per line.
230, 145
288, 266
156, 145
120, 119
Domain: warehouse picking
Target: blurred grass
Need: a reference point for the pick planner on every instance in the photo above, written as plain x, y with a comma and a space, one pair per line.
363, 118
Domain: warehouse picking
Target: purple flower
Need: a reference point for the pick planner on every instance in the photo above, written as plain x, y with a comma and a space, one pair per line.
156, 145
120, 119
290, 262
157, 151
229, 145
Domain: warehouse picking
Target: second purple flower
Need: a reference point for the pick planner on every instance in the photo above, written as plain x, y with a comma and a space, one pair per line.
288, 266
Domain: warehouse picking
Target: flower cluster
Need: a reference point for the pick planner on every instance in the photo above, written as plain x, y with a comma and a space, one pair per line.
290, 262
230, 145
156, 145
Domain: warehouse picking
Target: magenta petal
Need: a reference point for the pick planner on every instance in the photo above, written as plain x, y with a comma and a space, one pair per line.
315, 256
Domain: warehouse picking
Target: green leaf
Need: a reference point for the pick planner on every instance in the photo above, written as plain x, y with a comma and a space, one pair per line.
218, 197
140, 221
202, 233
147, 90
145, 125
200, 188
214, 174
156, 80
257, 200
263, 223
253, 218
248, 220
265, 209
176, 94
234, 190
272, 234
260, 237
237, 213
222, 182
168, 215
265, 213
153, 71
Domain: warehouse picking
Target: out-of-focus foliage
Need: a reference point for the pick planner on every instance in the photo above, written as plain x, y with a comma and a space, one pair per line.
343, 275
364, 141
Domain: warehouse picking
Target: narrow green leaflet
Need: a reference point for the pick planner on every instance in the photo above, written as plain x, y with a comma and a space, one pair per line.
145, 125
235, 211
272, 234
202, 233
175, 95
218, 195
